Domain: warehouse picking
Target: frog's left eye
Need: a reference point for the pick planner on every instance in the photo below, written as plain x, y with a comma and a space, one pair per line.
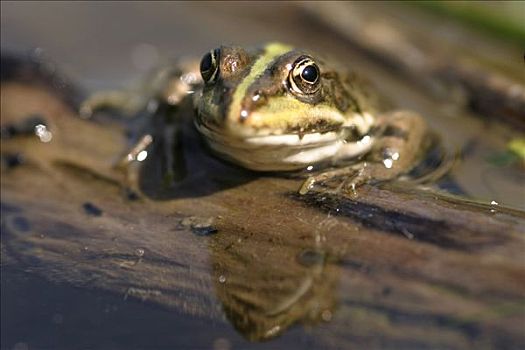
210, 66
304, 77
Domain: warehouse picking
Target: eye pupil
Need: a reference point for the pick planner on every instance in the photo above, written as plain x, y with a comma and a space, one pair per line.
310, 74
206, 63
304, 78
209, 66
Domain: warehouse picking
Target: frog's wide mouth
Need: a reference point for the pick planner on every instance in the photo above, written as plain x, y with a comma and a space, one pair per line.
265, 138
283, 152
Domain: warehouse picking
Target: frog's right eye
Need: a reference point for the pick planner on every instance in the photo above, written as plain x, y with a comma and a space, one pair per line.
210, 66
305, 77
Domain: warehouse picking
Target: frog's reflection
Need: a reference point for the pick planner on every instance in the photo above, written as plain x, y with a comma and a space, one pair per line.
267, 285
180, 165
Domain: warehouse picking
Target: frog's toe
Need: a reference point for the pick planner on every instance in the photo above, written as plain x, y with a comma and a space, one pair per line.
307, 185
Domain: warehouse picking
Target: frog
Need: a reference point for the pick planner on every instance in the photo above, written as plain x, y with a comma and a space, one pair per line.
279, 109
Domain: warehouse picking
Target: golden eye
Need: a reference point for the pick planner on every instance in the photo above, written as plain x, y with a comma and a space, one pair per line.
305, 76
210, 66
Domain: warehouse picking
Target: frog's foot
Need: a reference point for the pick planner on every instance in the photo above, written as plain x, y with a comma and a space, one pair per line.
129, 164
124, 102
347, 179
341, 176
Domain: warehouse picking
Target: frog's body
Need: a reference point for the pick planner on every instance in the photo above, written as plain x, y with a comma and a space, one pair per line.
277, 108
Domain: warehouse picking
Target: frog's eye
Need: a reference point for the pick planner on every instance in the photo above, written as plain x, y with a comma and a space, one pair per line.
210, 66
304, 77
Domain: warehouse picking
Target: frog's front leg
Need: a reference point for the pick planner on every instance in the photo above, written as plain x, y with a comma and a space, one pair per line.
168, 84
395, 151
128, 103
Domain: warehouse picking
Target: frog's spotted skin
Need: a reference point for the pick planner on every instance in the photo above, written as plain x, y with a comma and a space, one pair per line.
251, 114
277, 108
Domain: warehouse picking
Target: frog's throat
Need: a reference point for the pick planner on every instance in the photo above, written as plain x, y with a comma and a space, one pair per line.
271, 52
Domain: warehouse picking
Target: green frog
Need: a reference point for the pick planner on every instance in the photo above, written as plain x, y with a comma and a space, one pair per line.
279, 109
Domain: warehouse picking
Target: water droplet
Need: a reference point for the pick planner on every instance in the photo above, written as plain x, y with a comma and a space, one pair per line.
139, 252
364, 141
244, 114
222, 279
142, 155
395, 156
493, 203
43, 134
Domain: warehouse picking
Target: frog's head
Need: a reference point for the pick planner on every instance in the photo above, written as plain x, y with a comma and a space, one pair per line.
275, 96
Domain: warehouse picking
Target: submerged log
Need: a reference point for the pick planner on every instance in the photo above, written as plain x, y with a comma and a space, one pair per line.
397, 265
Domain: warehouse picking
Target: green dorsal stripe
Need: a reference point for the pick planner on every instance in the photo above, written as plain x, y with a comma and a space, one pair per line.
271, 52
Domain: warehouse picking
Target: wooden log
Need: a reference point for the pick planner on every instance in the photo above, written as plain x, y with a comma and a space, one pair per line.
401, 266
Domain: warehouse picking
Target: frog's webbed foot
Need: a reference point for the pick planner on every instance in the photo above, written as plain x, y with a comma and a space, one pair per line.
326, 176
394, 153
346, 179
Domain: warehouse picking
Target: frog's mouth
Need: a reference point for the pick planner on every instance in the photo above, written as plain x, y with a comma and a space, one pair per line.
284, 152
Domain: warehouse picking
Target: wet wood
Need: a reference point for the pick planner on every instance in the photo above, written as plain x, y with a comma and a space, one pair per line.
395, 265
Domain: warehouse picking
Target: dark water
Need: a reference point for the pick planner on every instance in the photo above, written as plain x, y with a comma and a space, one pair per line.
38, 314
